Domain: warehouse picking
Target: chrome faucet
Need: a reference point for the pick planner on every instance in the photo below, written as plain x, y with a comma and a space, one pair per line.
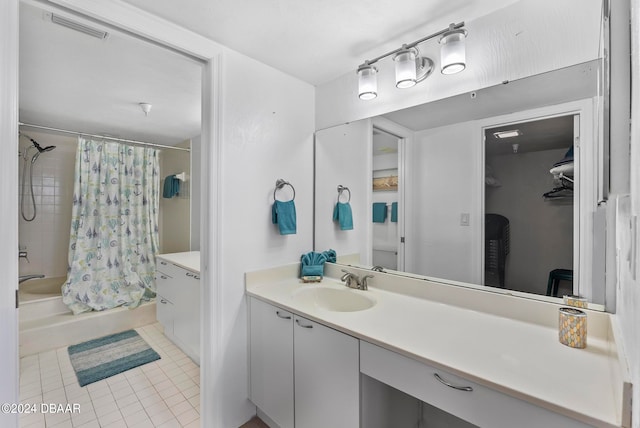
23, 278
363, 282
352, 280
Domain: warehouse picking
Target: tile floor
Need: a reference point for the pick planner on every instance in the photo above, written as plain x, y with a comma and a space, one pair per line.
161, 394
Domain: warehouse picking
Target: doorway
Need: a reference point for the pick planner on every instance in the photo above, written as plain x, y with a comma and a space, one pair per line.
385, 198
530, 205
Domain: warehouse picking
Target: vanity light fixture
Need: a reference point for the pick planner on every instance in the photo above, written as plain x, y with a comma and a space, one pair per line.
367, 82
507, 134
412, 68
452, 50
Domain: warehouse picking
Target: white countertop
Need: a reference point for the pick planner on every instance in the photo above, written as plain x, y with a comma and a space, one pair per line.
189, 260
517, 355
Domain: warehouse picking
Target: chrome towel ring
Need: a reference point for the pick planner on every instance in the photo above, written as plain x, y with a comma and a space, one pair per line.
341, 189
280, 183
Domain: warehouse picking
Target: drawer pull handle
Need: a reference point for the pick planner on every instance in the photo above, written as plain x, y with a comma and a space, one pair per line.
302, 325
444, 382
163, 263
189, 274
163, 277
196, 277
164, 302
284, 317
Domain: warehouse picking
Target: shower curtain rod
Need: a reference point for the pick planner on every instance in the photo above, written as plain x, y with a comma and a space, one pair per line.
104, 137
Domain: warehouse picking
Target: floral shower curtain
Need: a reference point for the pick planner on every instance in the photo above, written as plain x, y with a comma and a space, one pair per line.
114, 227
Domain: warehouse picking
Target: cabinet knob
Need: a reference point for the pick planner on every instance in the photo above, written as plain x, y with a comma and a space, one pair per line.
284, 317
302, 325
450, 385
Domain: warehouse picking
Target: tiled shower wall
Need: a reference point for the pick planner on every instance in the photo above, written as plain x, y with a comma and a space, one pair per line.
46, 238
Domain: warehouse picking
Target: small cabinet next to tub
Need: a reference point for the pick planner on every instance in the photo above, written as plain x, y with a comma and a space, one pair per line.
178, 301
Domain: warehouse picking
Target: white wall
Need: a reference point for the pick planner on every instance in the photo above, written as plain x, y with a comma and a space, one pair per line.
267, 133
196, 191
442, 166
520, 40
46, 238
343, 156
175, 213
628, 287
541, 231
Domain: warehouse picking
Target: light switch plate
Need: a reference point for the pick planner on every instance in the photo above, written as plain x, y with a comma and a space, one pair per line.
464, 219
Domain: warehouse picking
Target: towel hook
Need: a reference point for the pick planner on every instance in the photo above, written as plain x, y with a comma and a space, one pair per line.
280, 183
342, 188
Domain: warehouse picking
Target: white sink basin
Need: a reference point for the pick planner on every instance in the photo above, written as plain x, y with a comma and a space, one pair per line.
334, 299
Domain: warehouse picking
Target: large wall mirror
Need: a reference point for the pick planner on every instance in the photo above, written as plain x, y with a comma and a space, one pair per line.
500, 188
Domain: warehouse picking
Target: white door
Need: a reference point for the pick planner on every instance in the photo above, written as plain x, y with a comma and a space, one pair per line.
327, 377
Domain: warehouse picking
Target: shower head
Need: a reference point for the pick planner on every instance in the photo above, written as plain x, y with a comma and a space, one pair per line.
40, 148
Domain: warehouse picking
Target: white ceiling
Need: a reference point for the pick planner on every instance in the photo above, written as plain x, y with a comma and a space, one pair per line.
317, 41
72, 81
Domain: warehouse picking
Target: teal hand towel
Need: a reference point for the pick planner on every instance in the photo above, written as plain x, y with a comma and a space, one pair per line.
330, 255
171, 186
284, 215
313, 270
379, 212
342, 214
394, 212
312, 264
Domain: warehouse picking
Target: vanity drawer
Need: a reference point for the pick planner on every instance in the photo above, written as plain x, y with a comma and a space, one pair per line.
480, 406
173, 271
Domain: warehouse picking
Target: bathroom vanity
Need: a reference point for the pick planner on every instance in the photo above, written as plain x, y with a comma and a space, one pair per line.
492, 360
178, 300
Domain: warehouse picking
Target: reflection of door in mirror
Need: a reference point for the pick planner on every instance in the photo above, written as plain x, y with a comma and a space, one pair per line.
529, 206
385, 199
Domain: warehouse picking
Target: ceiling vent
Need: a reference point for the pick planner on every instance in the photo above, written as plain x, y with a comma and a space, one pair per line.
75, 25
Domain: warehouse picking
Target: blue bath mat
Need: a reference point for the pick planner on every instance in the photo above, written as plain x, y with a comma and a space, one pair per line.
107, 356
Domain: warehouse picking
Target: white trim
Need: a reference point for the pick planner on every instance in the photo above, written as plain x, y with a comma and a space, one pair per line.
9, 362
586, 185
211, 275
129, 18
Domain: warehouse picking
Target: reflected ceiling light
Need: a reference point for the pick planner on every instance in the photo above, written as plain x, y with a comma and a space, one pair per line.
452, 50
410, 67
367, 82
507, 134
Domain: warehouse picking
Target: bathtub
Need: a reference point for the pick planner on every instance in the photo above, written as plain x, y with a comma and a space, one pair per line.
41, 288
46, 323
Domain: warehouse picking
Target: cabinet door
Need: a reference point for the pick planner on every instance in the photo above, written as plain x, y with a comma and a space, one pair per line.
327, 377
271, 361
164, 314
186, 323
